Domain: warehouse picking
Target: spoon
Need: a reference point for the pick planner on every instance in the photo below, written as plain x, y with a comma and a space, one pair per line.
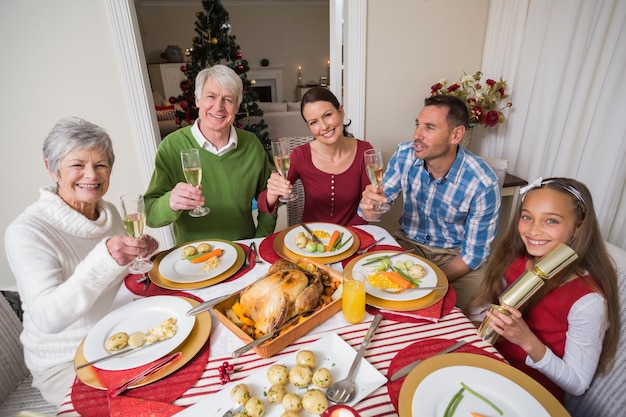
343, 391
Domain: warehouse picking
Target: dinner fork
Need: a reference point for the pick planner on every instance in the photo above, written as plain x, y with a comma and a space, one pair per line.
257, 258
146, 281
365, 249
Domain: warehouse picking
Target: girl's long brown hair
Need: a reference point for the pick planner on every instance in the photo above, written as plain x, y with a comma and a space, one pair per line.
593, 257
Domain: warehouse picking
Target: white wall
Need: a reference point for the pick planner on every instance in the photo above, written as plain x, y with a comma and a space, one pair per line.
411, 45
58, 60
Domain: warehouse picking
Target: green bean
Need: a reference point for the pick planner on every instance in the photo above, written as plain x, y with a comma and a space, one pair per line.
406, 276
453, 404
477, 395
342, 244
337, 242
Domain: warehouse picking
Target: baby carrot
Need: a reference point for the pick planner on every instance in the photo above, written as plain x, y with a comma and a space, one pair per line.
397, 278
207, 256
476, 414
333, 239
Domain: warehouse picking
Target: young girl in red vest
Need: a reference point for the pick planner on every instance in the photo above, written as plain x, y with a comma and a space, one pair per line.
569, 329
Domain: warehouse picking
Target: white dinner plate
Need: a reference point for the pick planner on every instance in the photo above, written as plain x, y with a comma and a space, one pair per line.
332, 353
139, 315
429, 387
290, 239
430, 280
176, 269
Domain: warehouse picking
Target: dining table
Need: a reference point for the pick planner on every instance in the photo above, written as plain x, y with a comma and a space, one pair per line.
394, 344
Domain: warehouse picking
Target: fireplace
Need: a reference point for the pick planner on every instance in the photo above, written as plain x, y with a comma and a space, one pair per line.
268, 83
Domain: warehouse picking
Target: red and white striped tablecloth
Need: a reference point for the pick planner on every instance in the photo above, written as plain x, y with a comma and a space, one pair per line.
390, 338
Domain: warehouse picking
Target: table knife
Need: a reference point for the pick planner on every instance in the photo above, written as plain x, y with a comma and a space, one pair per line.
378, 258
313, 237
118, 353
408, 368
207, 305
158, 365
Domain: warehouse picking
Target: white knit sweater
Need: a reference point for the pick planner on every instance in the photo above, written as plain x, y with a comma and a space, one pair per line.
66, 278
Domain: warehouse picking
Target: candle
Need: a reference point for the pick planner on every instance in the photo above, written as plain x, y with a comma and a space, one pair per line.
328, 73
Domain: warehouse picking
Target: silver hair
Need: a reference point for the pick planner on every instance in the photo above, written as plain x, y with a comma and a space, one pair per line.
225, 77
73, 133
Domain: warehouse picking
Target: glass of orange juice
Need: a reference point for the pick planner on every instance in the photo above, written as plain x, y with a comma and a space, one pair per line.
353, 297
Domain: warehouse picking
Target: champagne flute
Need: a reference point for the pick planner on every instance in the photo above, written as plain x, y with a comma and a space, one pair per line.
374, 168
192, 169
134, 212
281, 152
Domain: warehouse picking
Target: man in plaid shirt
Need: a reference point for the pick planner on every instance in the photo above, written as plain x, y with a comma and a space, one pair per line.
451, 196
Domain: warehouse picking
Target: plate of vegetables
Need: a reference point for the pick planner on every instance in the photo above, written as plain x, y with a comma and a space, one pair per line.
396, 276
466, 384
198, 261
335, 240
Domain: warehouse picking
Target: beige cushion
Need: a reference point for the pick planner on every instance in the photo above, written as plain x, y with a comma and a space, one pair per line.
272, 107
293, 106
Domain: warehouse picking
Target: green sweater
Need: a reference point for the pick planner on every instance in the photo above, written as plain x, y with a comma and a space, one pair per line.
229, 183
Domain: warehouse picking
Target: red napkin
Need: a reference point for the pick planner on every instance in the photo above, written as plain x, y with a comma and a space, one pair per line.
422, 350
137, 288
266, 248
432, 313
150, 400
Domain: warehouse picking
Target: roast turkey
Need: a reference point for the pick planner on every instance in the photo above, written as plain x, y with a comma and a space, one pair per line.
285, 291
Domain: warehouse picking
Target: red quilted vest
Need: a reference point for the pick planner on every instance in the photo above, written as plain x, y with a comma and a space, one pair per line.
547, 320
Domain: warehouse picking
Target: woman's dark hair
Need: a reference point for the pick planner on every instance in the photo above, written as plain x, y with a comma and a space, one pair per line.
458, 115
316, 94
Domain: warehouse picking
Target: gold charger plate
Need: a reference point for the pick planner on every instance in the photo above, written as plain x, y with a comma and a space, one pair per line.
156, 277
279, 247
410, 305
464, 362
190, 347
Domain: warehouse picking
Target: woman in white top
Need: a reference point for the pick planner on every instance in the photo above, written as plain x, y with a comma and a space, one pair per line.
69, 253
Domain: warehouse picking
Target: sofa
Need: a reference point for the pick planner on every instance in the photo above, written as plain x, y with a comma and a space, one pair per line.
282, 119
16, 393
606, 397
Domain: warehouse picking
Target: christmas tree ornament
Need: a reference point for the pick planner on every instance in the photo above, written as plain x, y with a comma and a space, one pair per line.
213, 41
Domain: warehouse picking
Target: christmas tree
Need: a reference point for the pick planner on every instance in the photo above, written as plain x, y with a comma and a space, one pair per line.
213, 45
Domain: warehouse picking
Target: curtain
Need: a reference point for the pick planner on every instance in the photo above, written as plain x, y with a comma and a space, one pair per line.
565, 63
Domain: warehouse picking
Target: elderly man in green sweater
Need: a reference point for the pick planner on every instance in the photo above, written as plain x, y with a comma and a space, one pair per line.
235, 169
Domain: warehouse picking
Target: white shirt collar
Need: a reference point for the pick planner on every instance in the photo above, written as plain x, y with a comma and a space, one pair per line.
205, 144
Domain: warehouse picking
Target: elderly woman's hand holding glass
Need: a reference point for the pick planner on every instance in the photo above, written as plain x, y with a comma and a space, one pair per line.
69, 253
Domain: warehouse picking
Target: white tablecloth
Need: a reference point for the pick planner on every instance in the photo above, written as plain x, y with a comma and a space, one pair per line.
389, 339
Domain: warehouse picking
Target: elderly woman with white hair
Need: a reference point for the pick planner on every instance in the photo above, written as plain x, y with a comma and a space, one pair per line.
235, 169
69, 253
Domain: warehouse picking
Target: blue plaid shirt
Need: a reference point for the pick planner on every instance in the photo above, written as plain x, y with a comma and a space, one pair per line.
459, 210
